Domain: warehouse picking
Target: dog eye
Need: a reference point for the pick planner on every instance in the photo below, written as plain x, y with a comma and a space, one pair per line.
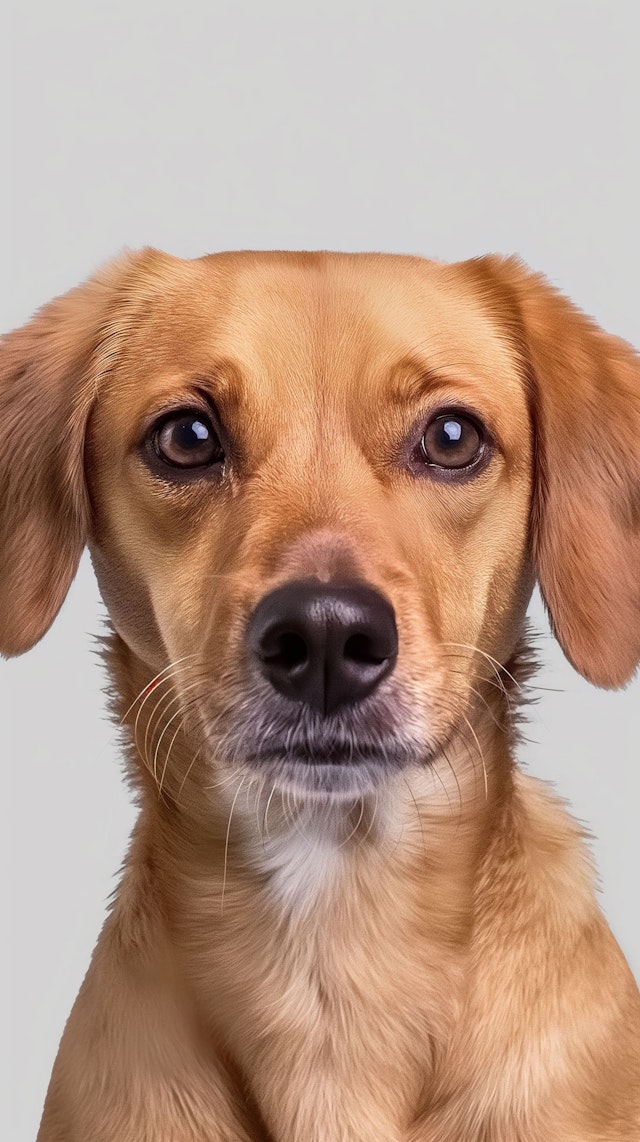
187, 440
451, 440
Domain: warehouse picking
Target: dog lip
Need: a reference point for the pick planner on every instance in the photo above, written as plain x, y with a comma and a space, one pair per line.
337, 755
334, 757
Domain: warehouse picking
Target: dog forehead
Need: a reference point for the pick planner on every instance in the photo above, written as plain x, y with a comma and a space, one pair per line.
305, 332
303, 311
356, 308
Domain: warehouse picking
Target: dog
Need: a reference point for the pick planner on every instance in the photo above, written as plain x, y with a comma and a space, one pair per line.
317, 490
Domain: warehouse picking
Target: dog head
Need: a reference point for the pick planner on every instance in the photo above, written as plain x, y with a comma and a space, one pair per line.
317, 490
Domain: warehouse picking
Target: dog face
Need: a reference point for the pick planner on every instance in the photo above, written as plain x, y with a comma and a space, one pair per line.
316, 490
315, 390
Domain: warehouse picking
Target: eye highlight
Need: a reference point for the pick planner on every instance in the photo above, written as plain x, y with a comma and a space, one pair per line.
186, 439
452, 440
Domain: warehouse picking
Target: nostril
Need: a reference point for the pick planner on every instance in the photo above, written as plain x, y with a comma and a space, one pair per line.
359, 648
324, 644
287, 650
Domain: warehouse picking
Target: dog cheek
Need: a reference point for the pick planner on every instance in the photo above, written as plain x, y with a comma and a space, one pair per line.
130, 608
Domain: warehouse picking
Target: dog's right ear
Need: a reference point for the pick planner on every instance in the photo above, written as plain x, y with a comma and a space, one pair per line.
49, 372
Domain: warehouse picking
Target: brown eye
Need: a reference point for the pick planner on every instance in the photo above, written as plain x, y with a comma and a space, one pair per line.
188, 440
452, 440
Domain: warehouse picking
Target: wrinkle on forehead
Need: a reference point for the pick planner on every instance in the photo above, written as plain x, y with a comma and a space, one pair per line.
350, 308
317, 325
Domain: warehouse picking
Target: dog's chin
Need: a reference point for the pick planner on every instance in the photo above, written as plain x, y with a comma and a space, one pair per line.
318, 776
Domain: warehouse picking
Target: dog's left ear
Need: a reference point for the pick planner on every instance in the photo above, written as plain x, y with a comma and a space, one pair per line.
584, 393
48, 379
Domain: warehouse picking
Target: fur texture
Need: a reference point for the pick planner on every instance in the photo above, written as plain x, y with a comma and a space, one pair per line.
403, 952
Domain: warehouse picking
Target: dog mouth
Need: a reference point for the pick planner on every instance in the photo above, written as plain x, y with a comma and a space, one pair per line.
349, 753
335, 771
324, 774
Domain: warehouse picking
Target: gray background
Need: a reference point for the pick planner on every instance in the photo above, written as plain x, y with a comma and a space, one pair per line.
447, 130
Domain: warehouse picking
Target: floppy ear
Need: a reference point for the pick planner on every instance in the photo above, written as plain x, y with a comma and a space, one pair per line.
584, 388
48, 375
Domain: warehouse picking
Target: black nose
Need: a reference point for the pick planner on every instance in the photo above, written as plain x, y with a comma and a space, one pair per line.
324, 644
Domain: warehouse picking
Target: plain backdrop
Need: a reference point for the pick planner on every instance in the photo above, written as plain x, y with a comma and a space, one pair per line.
443, 129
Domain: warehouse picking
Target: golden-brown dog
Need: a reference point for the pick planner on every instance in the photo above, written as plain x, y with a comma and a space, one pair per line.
317, 490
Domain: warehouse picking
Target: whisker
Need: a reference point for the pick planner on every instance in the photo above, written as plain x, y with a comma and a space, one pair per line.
497, 666
481, 755
266, 812
490, 712
258, 796
166, 760
455, 778
226, 845
224, 783
375, 809
180, 727
480, 695
190, 767
424, 846
291, 794
185, 708
150, 685
148, 734
143, 754
357, 825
